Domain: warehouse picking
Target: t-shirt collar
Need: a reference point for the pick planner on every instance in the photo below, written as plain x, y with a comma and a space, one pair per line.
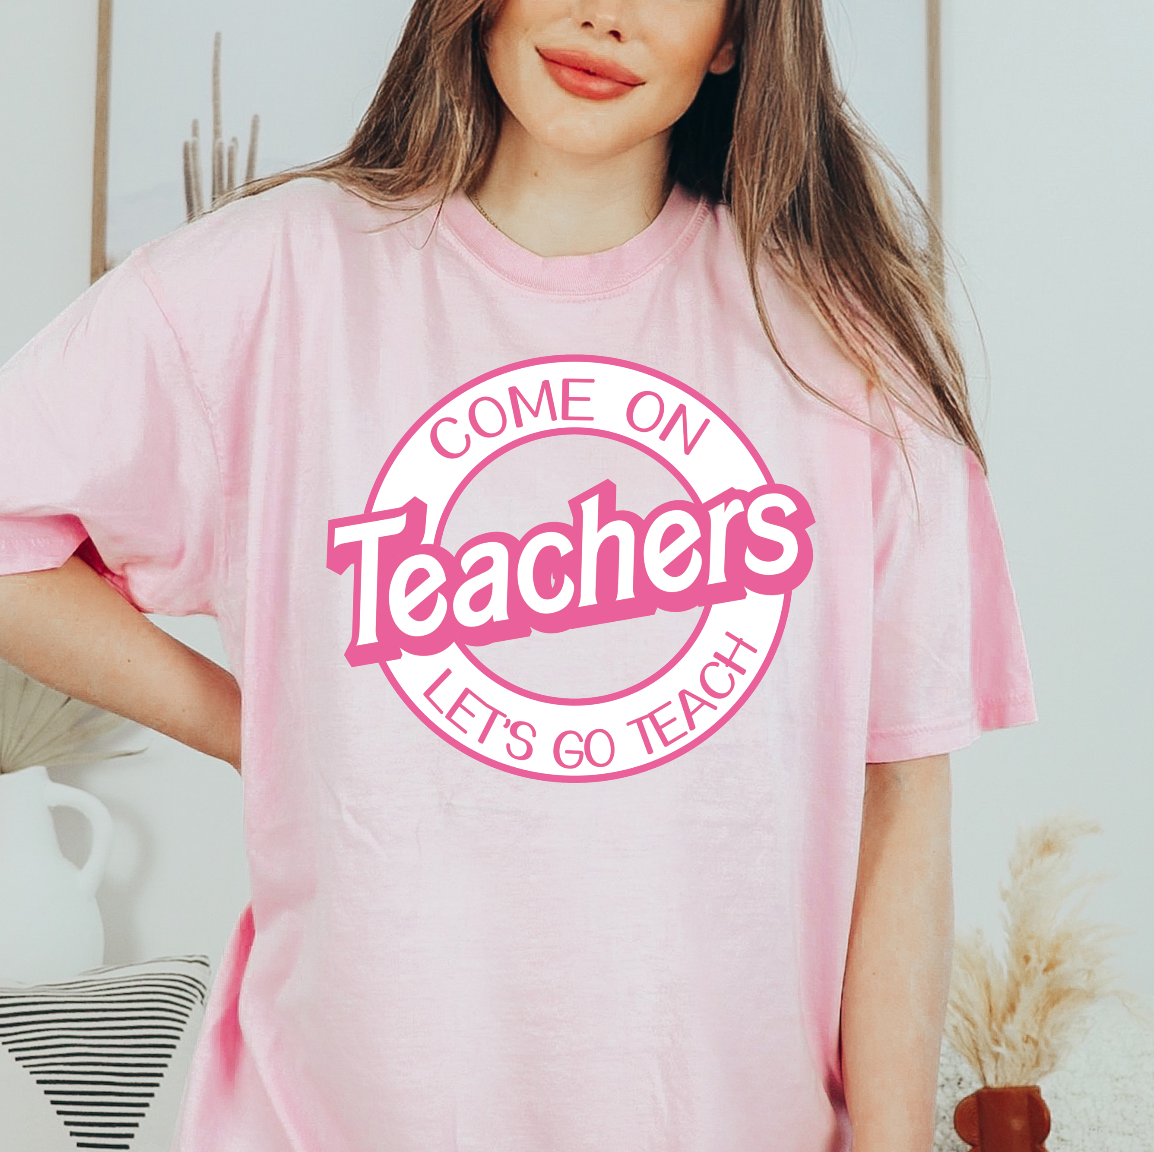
591, 274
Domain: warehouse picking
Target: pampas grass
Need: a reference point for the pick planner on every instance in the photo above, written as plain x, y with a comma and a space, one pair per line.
39, 725
1016, 1019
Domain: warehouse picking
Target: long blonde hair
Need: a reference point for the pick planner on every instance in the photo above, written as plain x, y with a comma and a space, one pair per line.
773, 139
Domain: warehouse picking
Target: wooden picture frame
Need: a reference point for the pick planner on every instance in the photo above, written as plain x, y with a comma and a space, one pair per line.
934, 189
98, 262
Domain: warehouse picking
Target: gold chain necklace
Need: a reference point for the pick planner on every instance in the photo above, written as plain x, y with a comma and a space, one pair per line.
477, 205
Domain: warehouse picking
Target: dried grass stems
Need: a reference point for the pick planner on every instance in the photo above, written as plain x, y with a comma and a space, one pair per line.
223, 161
1016, 1019
39, 725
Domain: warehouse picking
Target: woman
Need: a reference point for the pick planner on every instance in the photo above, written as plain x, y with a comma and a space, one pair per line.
598, 395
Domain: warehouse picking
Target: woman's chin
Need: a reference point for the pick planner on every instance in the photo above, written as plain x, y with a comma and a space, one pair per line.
591, 136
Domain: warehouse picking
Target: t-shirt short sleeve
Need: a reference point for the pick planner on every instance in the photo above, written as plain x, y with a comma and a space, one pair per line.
106, 449
948, 657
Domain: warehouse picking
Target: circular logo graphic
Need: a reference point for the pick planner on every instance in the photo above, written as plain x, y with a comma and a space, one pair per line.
731, 551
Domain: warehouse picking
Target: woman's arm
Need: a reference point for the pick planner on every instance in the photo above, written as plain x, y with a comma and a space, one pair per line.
898, 968
70, 629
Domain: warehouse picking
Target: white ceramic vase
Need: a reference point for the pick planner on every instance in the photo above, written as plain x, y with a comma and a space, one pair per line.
50, 926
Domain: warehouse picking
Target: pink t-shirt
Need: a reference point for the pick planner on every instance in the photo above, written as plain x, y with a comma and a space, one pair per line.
566, 623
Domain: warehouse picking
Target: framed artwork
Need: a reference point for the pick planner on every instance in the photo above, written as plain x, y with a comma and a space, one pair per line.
194, 98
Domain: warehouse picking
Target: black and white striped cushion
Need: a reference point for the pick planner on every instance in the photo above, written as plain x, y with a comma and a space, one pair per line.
99, 1061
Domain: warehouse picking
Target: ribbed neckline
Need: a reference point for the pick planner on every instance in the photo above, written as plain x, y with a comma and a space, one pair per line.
592, 274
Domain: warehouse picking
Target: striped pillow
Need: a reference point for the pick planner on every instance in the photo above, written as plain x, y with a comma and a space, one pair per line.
99, 1061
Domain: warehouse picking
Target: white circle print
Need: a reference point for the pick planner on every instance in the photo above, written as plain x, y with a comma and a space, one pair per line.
731, 551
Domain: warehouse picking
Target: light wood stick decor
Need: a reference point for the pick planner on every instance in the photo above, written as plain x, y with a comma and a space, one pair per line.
934, 189
98, 256
222, 158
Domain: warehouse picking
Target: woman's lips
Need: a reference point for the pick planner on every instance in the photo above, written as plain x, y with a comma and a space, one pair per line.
587, 76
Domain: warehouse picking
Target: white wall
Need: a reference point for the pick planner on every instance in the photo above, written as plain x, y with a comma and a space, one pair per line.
47, 101
1049, 172
879, 50
1049, 197
1049, 165
177, 880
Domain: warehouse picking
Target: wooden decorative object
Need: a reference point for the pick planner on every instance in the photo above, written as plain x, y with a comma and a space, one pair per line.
1004, 1120
934, 196
98, 257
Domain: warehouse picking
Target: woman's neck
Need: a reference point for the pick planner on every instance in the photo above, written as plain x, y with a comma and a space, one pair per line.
564, 204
